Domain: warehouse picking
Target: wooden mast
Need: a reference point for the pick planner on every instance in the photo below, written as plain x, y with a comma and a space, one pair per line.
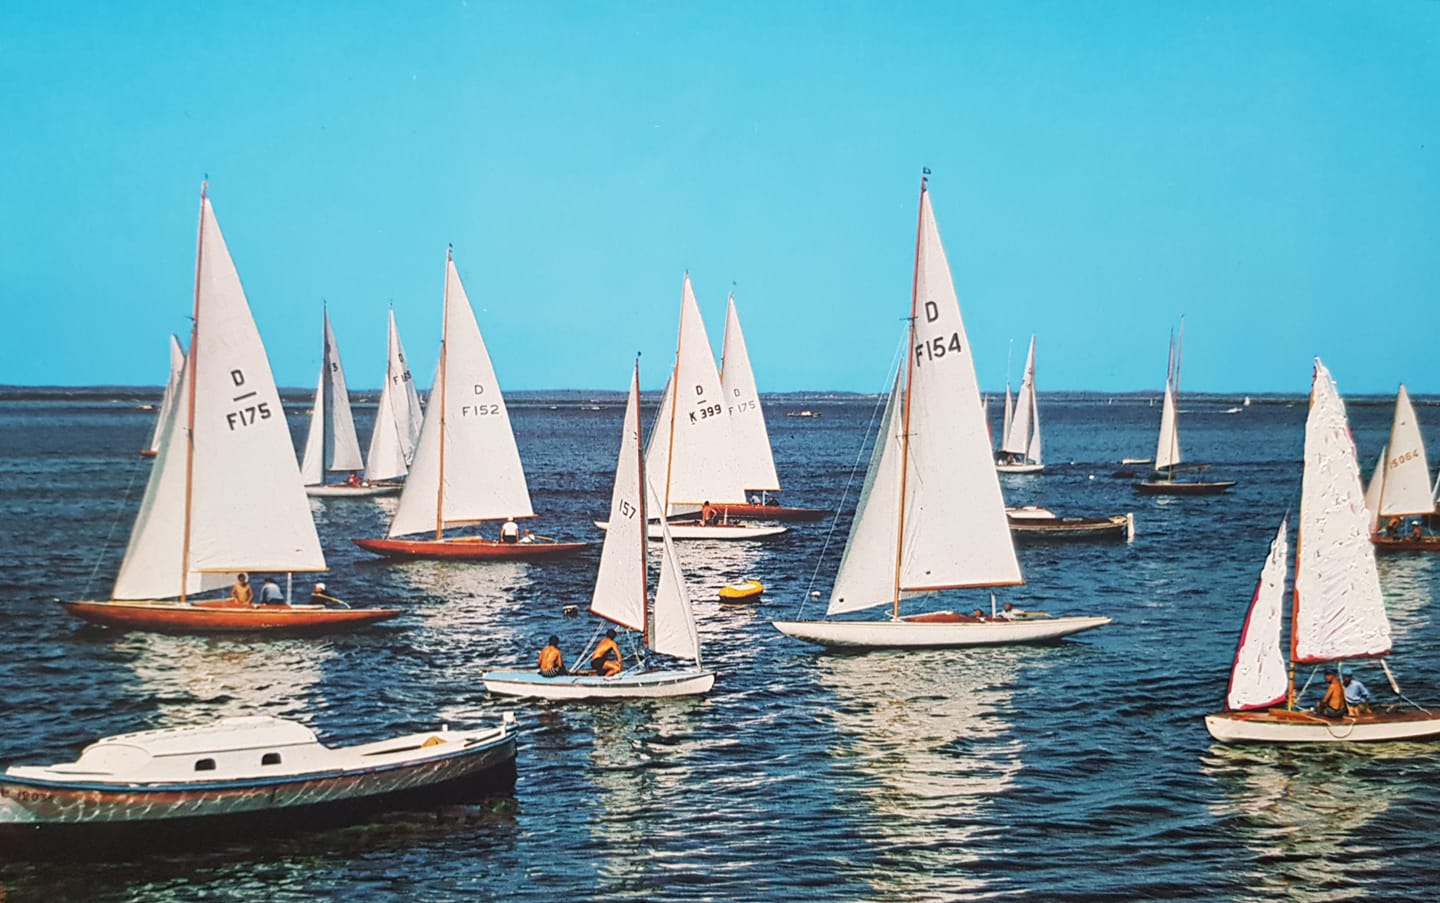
190, 406
644, 512
905, 420
674, 405
444, 343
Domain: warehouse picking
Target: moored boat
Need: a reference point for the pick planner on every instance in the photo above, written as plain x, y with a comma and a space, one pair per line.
185, 787
1167, 462
1033, 524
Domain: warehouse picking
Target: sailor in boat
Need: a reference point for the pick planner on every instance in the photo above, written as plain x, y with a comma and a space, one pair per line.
270, 593
1357, 695
509, 531
977, 615
552, 661
354, 478
709, 514
1333, 704
1415, 532
527, 536
242, 593
606, 659
319, 597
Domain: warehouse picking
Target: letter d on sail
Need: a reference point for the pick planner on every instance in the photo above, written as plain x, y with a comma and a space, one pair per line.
932, 313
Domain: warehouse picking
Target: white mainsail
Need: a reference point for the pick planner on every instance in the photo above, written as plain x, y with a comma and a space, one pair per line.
751, 449
1405, 488
1022, 434
1339, 612
467, 466
331, 444
247, 509
620, 583
1259, 678
689, 456
954, 529
1167, 449
172, 388
1007, 418
397, 418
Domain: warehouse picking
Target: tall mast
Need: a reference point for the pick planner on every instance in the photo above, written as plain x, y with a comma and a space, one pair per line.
326, 439
1295, 587
190, 405
1179, 349
674, 404
905, 420
644, 512
444, 342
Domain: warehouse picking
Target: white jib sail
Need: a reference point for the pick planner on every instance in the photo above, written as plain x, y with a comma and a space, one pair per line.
248, 509
1339, 612
673, 629
1023, 436
1406, 487
1258, 679
483, 477
866, 576
331, 420
172, 388
1007, 418
701, 467
751, 450
955, 531
397, 417
620, 583
1372, 492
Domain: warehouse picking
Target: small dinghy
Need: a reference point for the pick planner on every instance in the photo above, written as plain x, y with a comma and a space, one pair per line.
741, 593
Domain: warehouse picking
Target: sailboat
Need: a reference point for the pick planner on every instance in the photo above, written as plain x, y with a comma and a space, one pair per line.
331, 445
467, 467
1400, 487
690, 455
930, 515
225, 495
397, 418
1020, 440
751, 440
1338, 612
167, 401
621, 586
1167, 448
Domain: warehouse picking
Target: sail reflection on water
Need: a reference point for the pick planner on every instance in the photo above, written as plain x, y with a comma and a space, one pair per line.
926, 739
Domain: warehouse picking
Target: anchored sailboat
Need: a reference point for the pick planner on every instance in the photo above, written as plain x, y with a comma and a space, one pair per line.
1338, 612
930, 515
225, 495
1167, 448
690, 454
331, 445
1400, 488
167, 401
1020, 443
621, 586
397, 418
467, 467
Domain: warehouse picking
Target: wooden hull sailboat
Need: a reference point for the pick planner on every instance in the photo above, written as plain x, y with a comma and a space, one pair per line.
765, 511
621, 596
931, 516
466, 467
225, 495
1399, 496
1338, 613
694, 529
187, 787
1182, 487
1032, 524
169, 616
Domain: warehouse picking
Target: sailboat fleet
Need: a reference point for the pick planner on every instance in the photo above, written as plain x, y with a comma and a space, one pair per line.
930, 521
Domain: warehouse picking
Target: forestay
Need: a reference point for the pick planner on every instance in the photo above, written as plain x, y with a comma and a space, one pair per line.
1259, 677
466, 463
247, 507
1339, 612
397, 418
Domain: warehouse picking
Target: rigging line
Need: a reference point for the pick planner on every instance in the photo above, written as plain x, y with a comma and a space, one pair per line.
124, 503
902, 348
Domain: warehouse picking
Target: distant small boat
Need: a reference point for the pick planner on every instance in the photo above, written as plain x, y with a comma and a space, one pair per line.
167, 401
741, 593
1019, 451
247, 777
805, 413
1032, 524
1399, 494
331, 445
1167, 451
397, 417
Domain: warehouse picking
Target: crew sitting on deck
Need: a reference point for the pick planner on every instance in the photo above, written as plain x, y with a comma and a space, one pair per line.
606, 659
709, 514
1333, 705
1357, 695
319, 597
552, 661
270, 593
353, 479
528, 537
1392, 528
242, 593
1415, 531
1009, 612
978, 615
510, 531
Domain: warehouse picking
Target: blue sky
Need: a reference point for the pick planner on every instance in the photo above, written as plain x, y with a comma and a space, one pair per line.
1270, 170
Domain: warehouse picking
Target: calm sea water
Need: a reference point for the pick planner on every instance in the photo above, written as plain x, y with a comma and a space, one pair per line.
1076, 771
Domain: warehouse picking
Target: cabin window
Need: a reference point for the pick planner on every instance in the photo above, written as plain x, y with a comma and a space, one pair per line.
270, 759
205, 765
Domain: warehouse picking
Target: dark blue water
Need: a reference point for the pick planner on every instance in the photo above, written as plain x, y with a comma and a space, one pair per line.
1076, 771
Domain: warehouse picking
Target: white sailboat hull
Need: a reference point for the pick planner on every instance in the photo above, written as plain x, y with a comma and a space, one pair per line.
1019, 468
353, 492
626, 685
701, 531
904, 634
1282, 726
